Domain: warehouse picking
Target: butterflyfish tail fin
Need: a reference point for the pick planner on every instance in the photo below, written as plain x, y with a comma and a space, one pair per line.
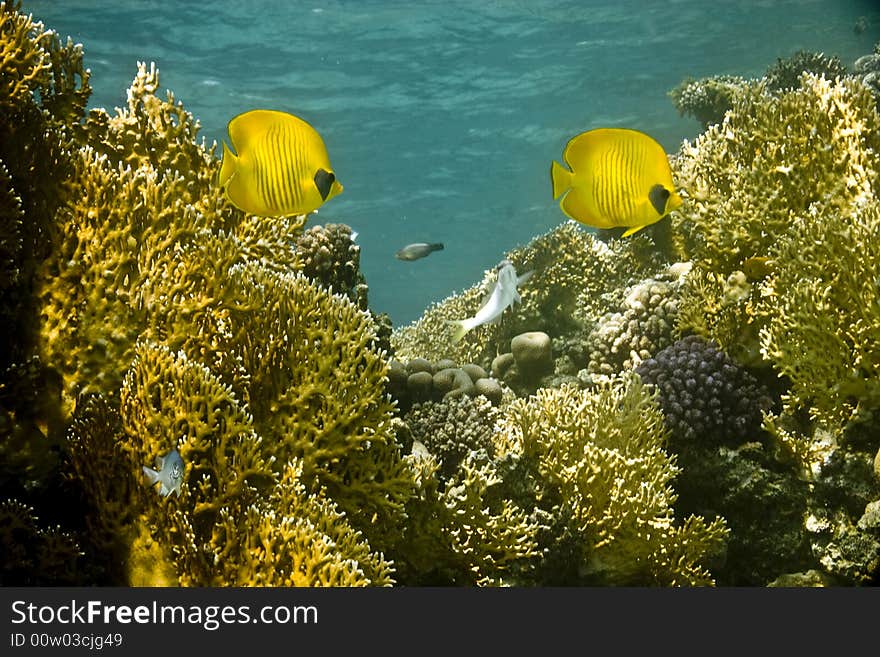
561, 178
152, 475
229, 166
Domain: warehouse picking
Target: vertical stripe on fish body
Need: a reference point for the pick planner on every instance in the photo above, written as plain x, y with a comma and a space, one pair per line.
618, 177
282, 166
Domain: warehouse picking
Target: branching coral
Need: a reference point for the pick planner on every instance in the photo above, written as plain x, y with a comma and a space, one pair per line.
237, 522
811, 147
148, 250
723, 310
464, 530
823, 325
813, 306
785, 73
43, 92
597, 463
36, 66
35, 555
706, 99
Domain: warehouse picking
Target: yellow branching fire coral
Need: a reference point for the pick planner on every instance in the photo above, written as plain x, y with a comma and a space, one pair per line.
463, 531
238, 521
811, 147
823, 326
35, 60
148, 252
598, 464
774, 270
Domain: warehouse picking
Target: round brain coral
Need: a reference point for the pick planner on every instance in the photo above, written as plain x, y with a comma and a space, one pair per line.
704, 394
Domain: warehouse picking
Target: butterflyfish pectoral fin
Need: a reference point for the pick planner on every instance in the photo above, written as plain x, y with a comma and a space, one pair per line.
522, 278
633, 230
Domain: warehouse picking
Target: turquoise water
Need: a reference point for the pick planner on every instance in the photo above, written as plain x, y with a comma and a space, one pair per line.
441, 117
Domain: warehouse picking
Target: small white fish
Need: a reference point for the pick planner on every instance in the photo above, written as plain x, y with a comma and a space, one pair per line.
503, 295
169, 476
417, 250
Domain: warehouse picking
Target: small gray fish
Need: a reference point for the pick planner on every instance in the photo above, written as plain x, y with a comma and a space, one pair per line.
417, 250
169, 475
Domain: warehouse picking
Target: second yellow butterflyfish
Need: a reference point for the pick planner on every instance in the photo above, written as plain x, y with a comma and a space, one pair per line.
281, 166
618, 177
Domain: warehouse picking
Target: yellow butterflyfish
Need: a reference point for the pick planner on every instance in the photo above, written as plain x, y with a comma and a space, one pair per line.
618, 177
281, 166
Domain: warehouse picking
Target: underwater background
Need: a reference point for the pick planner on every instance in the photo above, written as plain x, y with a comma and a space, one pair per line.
195, 392
442, 117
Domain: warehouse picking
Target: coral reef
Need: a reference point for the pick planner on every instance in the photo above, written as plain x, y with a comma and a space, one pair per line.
595, 462
808, 306
812, 145
867, 68
237, 508
576, 277
327, 254
532, 353
763, 502
643, 324
35, 555
785, 73
707, 99
822, 319
419, 380
451, 429
461, 528
143, 314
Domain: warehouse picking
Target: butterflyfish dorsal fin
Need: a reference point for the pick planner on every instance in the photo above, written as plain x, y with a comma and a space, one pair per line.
580, 148
249, 126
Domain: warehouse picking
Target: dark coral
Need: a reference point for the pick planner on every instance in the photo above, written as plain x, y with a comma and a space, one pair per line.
35, 555
705, 395
328, 255
452, 428
786, 72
